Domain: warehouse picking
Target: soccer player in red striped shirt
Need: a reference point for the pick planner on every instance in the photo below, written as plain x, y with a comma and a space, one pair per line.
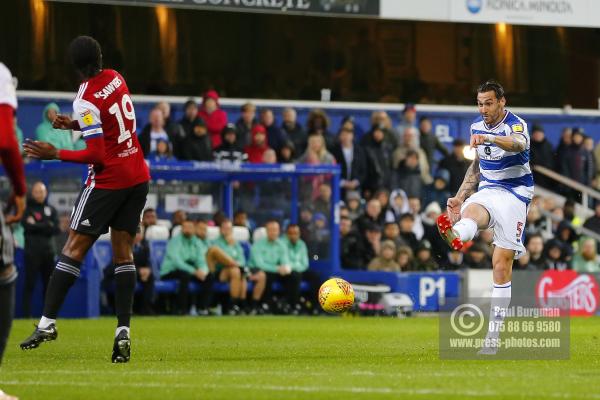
114, 193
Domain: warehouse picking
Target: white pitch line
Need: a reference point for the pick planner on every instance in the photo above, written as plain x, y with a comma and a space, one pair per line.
262, 372
297, 388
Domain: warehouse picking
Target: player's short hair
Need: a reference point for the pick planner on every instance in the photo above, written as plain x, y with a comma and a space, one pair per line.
86, 55
492, 86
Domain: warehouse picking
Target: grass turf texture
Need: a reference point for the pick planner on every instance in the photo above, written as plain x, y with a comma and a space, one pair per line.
285, 358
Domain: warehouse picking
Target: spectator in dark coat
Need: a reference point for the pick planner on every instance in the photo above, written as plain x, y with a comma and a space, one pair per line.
229, 151
438, 191
430, 142
214, 117
287, 153
294, 131
190, 112
351, 246
275, 135
372, 215
408, 175
554, 256
456, 164
198, 147
593, 222
578, 163
353, 161
406, 224
535, 249
40, 225
380, 155
562, 148
542, 154
244, 125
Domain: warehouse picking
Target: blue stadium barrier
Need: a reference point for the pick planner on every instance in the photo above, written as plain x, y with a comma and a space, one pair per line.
428, 290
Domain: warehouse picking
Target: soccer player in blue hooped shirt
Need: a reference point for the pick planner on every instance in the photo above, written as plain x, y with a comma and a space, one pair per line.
495, 193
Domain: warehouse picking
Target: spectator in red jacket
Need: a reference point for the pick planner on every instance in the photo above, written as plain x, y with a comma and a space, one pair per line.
259, 144
214, 117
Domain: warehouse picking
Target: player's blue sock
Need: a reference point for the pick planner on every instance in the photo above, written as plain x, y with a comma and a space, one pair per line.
501, 294
466, 229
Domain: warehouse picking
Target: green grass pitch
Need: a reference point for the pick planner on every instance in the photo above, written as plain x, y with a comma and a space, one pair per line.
285, 358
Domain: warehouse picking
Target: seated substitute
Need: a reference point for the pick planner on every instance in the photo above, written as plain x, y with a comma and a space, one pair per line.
270, 255
233, 270
298, 259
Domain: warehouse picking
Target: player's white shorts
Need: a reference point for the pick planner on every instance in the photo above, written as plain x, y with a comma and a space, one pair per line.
507, 217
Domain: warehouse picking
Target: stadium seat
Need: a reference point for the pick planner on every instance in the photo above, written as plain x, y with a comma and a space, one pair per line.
246, 247
105, 237
241, 234
212, 233
157, 232
102, 254
176, 231
158, 248
259, 233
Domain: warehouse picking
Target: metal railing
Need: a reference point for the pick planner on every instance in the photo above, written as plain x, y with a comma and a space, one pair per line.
586, 191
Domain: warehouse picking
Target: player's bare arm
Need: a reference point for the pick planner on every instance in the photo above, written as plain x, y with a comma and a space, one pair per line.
515, 142
466, 189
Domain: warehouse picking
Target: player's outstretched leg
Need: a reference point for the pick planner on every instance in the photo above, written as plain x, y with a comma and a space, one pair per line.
473, 218
63, 277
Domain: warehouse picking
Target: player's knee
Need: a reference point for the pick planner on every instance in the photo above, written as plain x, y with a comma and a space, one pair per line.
235, 273
502, 270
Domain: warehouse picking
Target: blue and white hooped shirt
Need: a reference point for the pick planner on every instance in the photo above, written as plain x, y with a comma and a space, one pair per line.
506, 169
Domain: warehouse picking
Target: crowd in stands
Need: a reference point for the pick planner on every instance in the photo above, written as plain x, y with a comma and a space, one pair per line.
396, 179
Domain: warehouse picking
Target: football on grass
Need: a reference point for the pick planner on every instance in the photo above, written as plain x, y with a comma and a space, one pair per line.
336, 295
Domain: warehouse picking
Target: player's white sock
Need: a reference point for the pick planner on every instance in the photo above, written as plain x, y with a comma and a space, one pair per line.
498, 308
45, 322
466, 229
120, 328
